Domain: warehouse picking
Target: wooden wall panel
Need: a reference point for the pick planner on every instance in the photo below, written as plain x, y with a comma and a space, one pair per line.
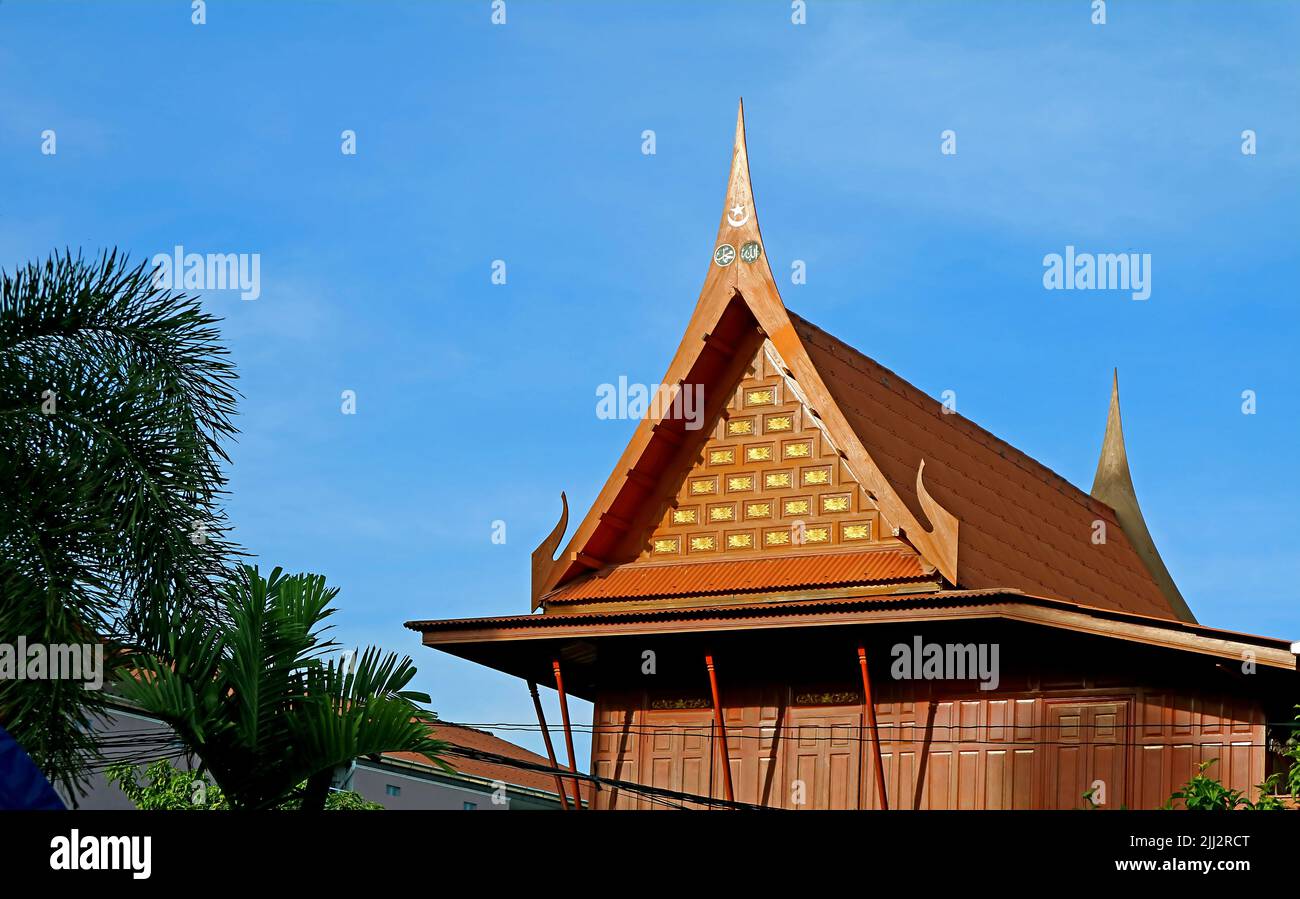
997, 780
1150, 772
1179, 731
937, 792
969, 751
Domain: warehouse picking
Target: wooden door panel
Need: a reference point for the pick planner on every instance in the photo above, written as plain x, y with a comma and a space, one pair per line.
1087, 743
675, 754
824, 753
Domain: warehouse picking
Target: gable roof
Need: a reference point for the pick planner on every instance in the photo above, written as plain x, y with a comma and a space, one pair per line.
945, 487
1023, 525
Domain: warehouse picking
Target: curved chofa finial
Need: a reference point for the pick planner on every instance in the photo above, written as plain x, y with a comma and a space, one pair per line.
943, 525
544, 555
1113, 485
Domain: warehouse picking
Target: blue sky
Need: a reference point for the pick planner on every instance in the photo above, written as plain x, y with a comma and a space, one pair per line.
522, 142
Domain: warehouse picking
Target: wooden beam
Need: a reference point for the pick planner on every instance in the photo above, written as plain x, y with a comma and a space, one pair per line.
550, 750
673, 437
568, 731
614, 521
722, 728
717, 343
875, 730
641, 479
590, 561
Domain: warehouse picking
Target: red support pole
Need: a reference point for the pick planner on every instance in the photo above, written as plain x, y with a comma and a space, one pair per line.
568, 732
875, 732
722, 728
550, 750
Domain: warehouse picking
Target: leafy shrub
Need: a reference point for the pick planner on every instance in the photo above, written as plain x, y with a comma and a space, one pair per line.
1204, 793
169, 788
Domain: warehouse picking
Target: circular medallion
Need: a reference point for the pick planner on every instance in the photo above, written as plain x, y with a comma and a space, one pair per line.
751, 251
725, 254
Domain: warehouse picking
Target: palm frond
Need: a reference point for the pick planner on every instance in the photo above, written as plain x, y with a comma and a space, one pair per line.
116, 397
258, 697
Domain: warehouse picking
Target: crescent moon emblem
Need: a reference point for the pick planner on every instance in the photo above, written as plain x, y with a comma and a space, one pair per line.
737, 215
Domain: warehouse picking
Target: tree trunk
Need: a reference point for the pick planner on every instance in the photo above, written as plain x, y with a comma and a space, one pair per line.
318, 790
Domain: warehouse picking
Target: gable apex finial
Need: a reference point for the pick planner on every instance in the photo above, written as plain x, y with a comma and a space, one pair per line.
1113, 485
1112, 467
739, 250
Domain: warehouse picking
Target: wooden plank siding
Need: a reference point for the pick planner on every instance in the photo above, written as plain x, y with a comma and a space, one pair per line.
1001, 750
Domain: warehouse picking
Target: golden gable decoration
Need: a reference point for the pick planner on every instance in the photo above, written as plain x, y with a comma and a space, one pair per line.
795, 488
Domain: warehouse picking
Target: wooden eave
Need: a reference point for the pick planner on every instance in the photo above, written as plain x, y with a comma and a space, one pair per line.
478, 638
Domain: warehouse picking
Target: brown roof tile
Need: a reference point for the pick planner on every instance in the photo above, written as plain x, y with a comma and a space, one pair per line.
473, 738
1022, 525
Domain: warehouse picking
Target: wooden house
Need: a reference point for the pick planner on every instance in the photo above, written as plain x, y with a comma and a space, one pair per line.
839, 593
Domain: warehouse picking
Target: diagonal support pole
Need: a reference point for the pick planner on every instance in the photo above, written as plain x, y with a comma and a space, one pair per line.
722, 728
568, 731
550, 750
875, 731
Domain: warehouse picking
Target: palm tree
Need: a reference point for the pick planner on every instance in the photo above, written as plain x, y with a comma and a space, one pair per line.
115, 398
257, 698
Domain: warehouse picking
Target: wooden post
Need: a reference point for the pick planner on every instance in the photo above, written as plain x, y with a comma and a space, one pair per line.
875, 732
550, 750
568, 732
722, 728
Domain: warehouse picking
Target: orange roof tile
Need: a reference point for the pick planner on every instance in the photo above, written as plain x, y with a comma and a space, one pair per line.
1022, 525
745, 575
473, 738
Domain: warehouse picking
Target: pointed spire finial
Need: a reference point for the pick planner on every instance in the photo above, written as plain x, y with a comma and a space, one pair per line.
1113, 485
1112, 467
739, 251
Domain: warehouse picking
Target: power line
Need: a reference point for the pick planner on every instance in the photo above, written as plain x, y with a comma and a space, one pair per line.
889, 733
524, 726
653, 793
